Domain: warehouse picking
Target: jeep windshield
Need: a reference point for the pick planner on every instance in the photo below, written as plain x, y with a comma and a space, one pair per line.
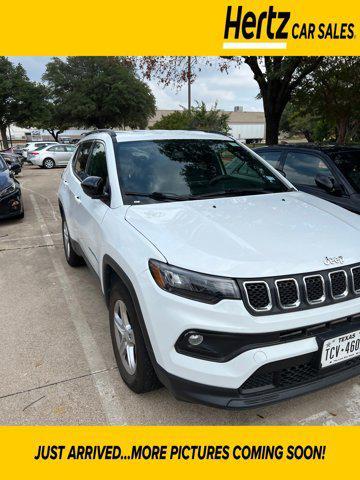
173, 170
349, 165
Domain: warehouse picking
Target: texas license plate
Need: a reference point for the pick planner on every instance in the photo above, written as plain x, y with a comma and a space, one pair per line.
339, 349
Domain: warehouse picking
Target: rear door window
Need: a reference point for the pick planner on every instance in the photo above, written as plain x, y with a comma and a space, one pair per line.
81, 159
54, 149
301, 168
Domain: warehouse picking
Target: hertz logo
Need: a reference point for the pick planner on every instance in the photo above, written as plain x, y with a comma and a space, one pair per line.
274, 28
250, 26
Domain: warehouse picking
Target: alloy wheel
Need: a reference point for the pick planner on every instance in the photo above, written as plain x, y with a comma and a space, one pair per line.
49, 163
124, 336
66, 239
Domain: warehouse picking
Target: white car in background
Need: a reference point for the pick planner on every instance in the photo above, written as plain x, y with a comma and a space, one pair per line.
52, 155
31, 146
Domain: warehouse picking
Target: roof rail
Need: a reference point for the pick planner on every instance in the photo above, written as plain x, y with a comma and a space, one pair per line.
220, 133
112, 133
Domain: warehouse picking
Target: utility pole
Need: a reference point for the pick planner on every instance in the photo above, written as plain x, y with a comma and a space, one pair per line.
11, 144
189, 83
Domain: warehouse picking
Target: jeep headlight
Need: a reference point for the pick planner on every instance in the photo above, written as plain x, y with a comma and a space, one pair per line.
7, 190
196, 286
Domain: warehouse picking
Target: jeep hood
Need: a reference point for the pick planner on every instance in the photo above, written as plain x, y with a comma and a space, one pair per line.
252, 236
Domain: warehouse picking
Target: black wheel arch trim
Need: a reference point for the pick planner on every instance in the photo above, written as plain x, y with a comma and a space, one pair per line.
123, 277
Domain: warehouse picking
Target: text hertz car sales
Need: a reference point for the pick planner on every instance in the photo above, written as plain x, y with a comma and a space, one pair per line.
275, 25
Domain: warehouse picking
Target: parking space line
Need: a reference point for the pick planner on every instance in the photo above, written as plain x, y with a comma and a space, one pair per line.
7, 238
53, 211
112, 407
52, 384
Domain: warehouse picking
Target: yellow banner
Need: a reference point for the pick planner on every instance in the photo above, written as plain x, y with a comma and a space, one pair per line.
207, 452
160, 27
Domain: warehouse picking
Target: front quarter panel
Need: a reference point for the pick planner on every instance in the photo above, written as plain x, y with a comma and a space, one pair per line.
127, 247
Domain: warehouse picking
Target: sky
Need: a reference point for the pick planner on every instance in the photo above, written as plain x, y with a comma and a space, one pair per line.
228, 90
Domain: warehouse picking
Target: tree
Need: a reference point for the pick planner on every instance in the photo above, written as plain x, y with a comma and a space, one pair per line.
198, 118
277, 82
277, 78
48, 116
101, 92
17, 97
298, 119
331, 93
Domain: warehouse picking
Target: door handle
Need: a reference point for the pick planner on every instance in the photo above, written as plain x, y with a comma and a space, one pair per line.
78, 199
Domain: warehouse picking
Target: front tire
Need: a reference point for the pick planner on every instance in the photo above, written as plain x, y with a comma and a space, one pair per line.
129, 347
48, 163
72, 258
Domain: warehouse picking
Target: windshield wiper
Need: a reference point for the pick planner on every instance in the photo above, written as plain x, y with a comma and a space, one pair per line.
159, 196
231, 192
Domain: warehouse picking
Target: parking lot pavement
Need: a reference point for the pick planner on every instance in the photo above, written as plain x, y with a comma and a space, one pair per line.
56, 360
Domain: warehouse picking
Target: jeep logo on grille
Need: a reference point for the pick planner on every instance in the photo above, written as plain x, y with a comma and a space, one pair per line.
334, 260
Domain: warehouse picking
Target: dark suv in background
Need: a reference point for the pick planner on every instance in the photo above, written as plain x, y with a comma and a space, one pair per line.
329, 172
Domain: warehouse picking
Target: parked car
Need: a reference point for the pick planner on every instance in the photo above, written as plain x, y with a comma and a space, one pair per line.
10, 193
31, 146
230, 287
51, 156
329, 172
18, 149
12, 159
11, 154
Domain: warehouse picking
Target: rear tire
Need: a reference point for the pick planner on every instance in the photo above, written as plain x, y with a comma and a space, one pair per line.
72, 258
49, 163
128, 342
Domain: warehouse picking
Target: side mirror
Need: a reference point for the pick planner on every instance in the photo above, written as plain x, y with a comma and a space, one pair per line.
93, 187
326, 183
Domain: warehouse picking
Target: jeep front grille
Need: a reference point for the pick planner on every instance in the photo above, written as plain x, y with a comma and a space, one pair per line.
258, 295
288, 292
272, 295
314, 289
355, 273
338, 284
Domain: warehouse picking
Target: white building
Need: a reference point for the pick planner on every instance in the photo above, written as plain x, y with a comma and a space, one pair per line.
21, 135
244, 126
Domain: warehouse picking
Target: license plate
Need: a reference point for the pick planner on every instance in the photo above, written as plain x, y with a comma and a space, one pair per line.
339, 349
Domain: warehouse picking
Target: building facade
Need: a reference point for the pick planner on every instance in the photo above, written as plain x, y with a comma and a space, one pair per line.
248, 127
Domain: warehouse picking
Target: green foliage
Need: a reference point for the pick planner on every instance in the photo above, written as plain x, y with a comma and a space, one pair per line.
198, 118
101, 92
298, 120
48, 116
328, 101
18, 96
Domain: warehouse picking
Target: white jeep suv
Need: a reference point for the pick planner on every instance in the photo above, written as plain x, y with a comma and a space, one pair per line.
224, 283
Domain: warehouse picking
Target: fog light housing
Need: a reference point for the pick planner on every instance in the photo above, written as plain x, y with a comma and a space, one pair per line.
215, 346
14, 204
195, 339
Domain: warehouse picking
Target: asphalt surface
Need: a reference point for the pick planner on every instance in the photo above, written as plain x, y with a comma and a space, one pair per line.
56, 359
